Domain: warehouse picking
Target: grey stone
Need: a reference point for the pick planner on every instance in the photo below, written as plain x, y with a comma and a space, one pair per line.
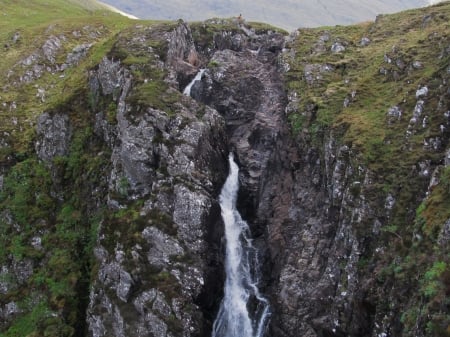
8, 312
16, 37
51, 47
325, 37
36, 242
365, 41
337, 47
160, 305
22, 269
78, 53
162, 247
444, 235
181, 44
418, 110
144, 300
190, 210
125, 285
142, 145
313, 72
11, 309
423, 91
390, 202
417, 65
111, 77
31, 59
54, 133
400, 64
118, 324
41, 94
394, 114
156, 326
447, 158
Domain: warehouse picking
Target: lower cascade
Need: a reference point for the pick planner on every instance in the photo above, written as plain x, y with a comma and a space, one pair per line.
243, 312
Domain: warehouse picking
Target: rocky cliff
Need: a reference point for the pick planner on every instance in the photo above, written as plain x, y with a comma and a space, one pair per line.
109, 175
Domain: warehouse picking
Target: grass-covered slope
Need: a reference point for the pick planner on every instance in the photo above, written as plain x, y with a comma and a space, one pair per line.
36, 38
382, 89
47, 232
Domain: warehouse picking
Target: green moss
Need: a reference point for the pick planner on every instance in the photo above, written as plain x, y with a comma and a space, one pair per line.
431, 281
27, 192
165, 282
155, 93
28, 323
162, 221
67, 229
435, 210
213, 64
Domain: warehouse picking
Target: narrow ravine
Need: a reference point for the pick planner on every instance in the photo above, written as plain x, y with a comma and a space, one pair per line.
235, 318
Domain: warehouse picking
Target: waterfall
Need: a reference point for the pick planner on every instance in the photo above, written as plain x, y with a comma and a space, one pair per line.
198, 77
244, 312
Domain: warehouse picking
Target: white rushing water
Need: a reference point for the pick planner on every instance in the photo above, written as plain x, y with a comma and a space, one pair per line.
235, 319
198, 77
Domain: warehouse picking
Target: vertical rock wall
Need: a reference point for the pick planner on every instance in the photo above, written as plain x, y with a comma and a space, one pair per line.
166, 171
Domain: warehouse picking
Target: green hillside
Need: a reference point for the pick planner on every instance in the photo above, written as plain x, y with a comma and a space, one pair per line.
35, 38
24, 29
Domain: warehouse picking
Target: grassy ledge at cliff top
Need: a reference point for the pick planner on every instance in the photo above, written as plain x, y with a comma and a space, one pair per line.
379, 66
35, 41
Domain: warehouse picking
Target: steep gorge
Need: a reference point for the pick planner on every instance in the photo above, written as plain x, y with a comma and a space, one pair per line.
109, 212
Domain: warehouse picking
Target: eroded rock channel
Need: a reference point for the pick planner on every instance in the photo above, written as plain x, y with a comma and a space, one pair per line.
174, 166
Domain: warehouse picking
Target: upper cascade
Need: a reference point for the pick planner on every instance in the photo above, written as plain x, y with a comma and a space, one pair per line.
187, 90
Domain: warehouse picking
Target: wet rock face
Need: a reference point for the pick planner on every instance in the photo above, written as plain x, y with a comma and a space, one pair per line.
303, 203
243, 83
312, 209
245, 86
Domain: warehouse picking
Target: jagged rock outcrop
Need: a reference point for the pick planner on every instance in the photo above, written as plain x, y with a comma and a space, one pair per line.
182, 55
170, 168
